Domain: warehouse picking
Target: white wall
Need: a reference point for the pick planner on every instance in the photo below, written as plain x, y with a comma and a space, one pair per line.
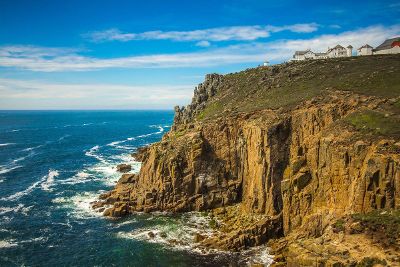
393, 50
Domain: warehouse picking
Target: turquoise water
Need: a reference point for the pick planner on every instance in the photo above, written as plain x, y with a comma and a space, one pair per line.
54, 163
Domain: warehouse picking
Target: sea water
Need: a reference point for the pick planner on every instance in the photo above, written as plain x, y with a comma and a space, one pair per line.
53, 164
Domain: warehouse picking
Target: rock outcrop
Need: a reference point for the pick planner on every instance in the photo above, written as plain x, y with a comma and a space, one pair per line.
289, 172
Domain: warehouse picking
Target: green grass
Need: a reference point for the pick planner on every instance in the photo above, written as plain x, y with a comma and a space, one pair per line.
397, 104
286, 85
374, 122
179, 133
213, 224
339, 225
386, 220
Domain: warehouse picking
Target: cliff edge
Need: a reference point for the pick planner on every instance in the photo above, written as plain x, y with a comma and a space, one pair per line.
303, 155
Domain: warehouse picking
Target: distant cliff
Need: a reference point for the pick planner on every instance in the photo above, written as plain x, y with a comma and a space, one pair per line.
305, 154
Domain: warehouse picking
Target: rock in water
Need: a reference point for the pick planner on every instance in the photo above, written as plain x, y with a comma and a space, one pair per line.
124, 167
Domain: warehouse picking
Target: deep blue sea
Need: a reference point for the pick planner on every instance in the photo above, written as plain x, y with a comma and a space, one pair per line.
53, 164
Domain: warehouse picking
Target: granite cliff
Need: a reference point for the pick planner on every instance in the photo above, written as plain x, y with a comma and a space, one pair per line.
305, 156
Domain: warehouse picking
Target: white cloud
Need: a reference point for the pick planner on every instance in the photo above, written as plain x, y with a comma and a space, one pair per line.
33, 94
203, 44
238, 33
55, 59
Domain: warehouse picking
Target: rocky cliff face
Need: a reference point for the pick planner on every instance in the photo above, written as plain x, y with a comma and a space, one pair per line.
202, 93
290, 171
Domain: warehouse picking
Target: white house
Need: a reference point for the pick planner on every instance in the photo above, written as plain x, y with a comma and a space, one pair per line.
303, 55
365, 50
337, 51
390, 46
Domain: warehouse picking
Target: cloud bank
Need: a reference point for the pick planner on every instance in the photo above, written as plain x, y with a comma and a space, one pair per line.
45, 95
234, 33
45, 59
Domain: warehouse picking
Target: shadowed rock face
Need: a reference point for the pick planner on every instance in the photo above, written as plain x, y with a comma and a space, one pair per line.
295, 169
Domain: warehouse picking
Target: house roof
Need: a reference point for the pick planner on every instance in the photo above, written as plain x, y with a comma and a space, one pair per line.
387, 44
300, 53
349, 46
336, 47
320, 54
365, 46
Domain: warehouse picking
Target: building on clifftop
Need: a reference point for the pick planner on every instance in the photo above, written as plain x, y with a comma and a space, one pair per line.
335, 52
365, 50
390, 46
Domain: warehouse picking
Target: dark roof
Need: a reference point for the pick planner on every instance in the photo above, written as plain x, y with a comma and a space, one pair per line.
365, 46
300, 53
320, 54
349, 46
336, 47
387, 44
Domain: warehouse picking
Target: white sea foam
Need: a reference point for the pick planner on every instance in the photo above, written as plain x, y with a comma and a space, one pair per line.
80, 177
18, 208
180, 235
8, 243
20, 194
49, 180
80, 204
7, 144
176, 234
1, 180
32, 148
92, 153
6, 169
46, 182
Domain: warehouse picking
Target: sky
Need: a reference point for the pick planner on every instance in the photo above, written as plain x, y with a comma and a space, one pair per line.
151, 54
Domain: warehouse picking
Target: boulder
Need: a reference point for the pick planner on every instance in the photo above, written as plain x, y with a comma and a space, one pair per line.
124, 167
127, 178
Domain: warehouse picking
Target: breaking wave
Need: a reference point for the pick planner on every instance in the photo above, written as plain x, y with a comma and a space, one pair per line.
49, 180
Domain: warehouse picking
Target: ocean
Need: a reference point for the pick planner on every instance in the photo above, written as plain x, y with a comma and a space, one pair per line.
53, 164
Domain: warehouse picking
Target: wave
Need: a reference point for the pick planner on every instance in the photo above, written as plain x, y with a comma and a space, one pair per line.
4, 169
80, 177
20, 194
63, 137
46, 182
92, 153
19, 208
32, 148
7, 144
49, 180
8, 243
80, 204
116, 144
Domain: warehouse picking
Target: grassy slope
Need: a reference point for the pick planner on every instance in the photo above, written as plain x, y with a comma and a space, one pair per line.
288, 84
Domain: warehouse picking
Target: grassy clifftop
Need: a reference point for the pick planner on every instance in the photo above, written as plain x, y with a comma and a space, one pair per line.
286, 85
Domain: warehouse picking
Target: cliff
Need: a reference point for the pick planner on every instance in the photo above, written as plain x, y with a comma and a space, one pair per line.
298, 154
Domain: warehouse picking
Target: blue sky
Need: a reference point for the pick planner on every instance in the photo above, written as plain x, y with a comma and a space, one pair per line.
151, 54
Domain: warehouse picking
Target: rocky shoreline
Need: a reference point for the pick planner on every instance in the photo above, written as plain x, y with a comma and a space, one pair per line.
316, 177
